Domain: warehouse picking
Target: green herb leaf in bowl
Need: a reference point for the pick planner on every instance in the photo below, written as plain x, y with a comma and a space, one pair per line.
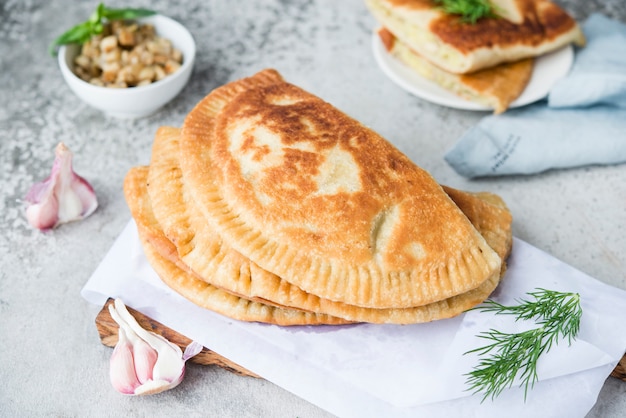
82, 32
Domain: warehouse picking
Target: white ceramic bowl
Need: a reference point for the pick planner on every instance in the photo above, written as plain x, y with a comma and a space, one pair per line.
135, 102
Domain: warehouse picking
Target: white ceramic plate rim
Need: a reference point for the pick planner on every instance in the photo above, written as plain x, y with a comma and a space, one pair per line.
548, 70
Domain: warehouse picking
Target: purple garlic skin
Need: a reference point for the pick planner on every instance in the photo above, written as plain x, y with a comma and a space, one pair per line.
63, 197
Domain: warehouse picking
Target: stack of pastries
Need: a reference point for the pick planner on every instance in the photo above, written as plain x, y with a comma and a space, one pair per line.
489, 61
271, 205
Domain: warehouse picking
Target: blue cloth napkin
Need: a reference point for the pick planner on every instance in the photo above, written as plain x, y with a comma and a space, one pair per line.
582, 122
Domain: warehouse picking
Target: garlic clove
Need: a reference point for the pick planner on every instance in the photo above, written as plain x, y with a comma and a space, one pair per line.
156, 386
63, 197
43, 215
144, 357
157, 364
122, 369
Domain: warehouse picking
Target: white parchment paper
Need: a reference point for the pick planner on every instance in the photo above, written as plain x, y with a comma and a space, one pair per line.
393, 370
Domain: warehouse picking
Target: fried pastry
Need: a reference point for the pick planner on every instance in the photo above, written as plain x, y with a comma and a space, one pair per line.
316, 198
490, 216
184, 282
496, 87
211, 260
523, 29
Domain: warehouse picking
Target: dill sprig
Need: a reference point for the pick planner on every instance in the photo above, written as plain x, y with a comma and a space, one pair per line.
469, 10
511, 354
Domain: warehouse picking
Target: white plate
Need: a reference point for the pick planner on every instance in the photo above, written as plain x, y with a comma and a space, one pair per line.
548, 69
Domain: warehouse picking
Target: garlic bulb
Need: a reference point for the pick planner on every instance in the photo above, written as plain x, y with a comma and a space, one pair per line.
143, 362
63, 197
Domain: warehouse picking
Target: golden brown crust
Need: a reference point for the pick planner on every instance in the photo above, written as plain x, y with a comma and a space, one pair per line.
135, 193
529, 28
540, 20
168, 203
318, 199
387, 38
542, 23
413, 4
198, 246
153, 238
496, 87
163, 257
217, 300
490, 215
208, 259
504, 82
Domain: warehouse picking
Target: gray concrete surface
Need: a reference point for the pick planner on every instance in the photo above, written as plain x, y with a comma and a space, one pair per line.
51, 361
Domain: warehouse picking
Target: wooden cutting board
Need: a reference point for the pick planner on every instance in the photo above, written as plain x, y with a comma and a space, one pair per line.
107, 328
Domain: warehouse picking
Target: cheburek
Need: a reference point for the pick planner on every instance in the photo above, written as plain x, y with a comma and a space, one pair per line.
202, 251
316, 198
177, 276
523, 29
490, 216
495, 87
